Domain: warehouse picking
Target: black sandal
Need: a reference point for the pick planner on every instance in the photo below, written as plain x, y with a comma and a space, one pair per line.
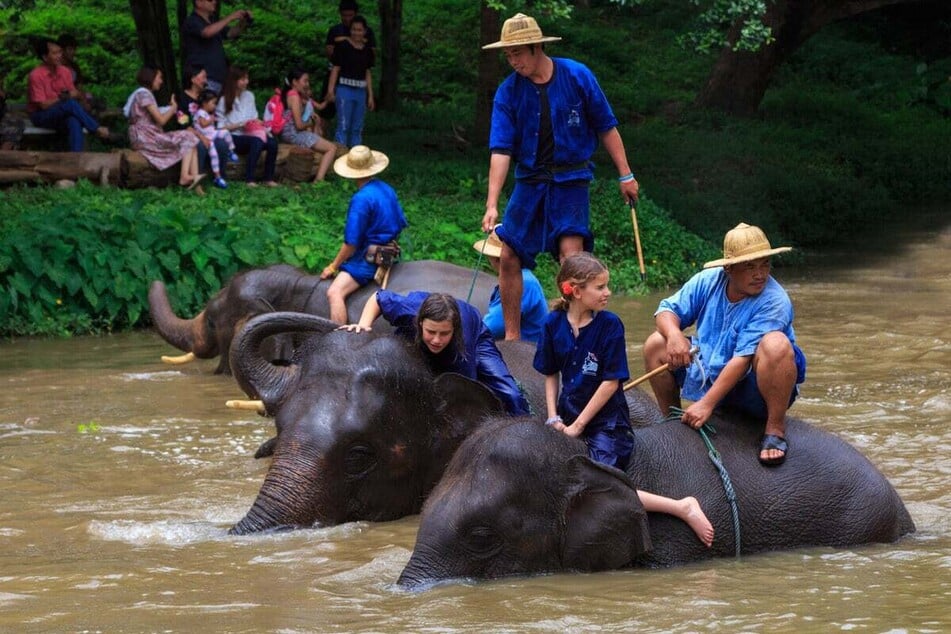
773, 442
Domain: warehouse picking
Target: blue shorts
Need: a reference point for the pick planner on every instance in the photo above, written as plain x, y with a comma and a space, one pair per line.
612, 447
745, 395
539, 214
359, 269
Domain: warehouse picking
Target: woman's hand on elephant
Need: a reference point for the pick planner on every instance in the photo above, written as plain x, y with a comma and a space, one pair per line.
355, 328
697, 414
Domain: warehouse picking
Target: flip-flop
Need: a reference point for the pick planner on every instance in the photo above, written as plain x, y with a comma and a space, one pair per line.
773, 442
195, 181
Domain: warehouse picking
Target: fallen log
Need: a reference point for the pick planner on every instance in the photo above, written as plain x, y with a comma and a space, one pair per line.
103, 168
129, 169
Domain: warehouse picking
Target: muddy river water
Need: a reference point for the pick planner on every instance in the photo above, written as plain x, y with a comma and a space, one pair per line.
119, 478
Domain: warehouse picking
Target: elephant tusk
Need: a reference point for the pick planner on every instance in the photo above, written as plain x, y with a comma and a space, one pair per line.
188, 357
254, 406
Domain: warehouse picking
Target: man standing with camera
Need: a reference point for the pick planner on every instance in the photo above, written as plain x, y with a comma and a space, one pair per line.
52, 98
203, 39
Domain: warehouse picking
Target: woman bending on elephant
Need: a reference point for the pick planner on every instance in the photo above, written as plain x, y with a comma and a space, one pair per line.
582, 346
451, 337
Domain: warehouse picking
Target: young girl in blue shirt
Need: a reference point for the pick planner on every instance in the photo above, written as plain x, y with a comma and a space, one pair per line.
582, 351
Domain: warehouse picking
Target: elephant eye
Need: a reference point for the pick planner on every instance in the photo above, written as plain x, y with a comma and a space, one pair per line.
483, 542
359, 460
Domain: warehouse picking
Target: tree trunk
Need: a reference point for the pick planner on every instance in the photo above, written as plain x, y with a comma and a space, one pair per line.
739, 80
488, 75
155, 41
391, 29
24, 166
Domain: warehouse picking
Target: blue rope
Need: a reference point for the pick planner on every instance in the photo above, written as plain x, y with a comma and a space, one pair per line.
706, 430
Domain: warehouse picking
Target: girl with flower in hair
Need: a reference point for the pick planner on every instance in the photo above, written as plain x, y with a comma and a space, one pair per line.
583, 355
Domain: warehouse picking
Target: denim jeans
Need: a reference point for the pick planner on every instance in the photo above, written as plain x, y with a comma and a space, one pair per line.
351, 109
253, 146
67, 117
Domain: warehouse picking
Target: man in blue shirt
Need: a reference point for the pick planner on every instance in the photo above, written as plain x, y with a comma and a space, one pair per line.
375, 219
534, 307
549, 116
748, 357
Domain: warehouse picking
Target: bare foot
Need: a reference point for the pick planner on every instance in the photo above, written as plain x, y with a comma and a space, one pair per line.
697, 520
251, 184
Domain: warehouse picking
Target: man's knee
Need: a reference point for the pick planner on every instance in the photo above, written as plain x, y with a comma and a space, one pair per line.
654, 347
775, 348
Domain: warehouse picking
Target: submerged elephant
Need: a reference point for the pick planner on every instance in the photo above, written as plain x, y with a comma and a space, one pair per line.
284, 288
519, 498
364, 429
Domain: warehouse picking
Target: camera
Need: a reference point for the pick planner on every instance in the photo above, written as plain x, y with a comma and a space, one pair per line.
248, 20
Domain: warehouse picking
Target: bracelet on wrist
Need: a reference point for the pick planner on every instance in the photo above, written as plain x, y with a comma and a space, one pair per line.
627, 178
553, 420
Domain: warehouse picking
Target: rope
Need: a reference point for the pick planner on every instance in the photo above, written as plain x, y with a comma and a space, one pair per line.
706, 430
478, 267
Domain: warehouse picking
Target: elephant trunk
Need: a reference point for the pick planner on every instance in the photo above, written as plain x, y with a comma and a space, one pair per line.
286, 499
185, 334
255, 374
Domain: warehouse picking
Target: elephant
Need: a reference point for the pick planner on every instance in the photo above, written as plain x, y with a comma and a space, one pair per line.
281, 287
519, 498
364, 428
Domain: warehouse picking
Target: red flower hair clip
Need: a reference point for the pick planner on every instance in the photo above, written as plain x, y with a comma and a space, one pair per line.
567, 288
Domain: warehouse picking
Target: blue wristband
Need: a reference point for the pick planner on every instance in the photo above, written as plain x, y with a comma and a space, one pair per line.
627, 178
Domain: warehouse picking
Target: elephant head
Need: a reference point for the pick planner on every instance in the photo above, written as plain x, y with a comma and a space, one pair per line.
364, 429
501, 509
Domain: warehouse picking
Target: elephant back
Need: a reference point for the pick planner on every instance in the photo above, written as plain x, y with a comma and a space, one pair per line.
518, 357
826, 493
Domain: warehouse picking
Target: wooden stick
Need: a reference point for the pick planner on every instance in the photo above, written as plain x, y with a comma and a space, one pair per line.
637, 243
693, 350
643, 378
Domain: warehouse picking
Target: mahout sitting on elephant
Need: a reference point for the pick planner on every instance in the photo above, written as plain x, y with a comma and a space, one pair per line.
519, 498
364, 427
282, 287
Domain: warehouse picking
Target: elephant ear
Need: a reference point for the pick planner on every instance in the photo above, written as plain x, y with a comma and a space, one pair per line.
605, 523
463, 405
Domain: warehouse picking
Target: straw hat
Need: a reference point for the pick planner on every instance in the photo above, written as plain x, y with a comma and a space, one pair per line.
361, 162
490, 247
519, 30
743, 243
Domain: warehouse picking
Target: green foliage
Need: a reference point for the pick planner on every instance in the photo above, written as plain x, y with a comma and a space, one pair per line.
81, 260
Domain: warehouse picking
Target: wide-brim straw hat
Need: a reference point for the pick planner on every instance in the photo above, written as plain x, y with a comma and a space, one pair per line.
743, 243
491, 246
361, 162
520, 30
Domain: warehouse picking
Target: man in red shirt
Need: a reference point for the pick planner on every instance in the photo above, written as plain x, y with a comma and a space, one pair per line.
53, 98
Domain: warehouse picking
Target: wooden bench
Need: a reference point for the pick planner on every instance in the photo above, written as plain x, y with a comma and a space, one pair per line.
37, 138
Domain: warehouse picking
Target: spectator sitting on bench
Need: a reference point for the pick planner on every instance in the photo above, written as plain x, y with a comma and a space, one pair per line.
53, 98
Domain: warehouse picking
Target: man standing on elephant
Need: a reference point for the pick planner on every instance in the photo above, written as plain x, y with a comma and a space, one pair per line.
748, 357
549, 115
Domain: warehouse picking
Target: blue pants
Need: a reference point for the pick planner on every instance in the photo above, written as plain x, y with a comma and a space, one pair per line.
539, 214
612, 447
68, 117
253, 146
351, 110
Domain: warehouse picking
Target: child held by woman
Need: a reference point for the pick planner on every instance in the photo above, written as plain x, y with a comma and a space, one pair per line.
583, 355
205, 123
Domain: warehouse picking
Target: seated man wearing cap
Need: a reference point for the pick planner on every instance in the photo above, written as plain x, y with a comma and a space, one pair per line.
748, 357
534, 305
548, 117
374, 220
